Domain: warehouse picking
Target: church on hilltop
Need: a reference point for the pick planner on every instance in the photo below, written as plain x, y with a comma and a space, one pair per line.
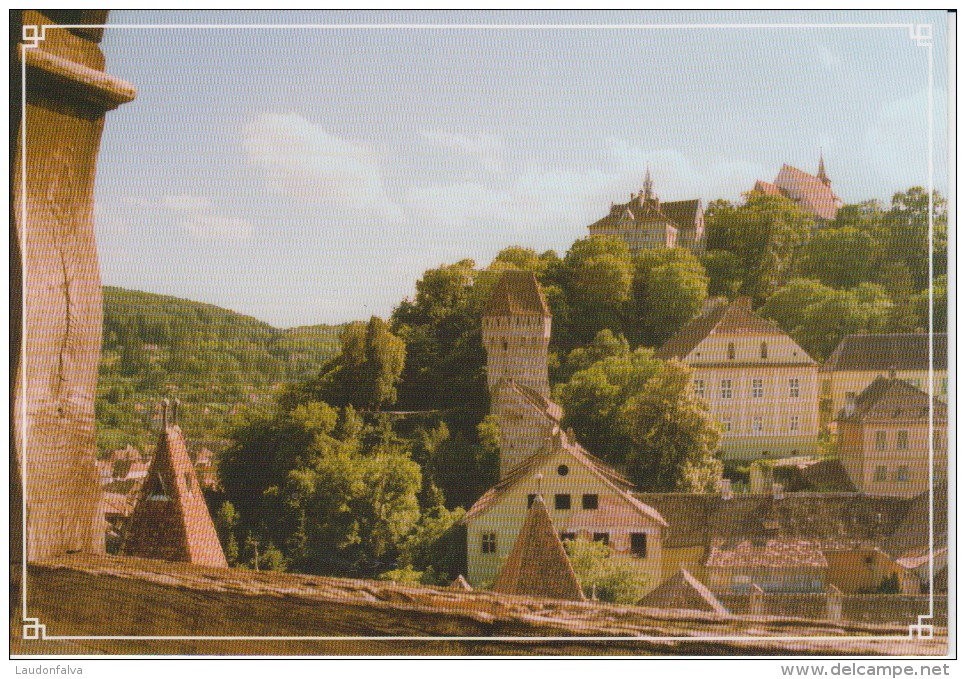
645, 223
812, 193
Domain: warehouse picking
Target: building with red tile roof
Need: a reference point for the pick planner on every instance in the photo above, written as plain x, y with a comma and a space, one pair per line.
538, 565
813, 193
170, 520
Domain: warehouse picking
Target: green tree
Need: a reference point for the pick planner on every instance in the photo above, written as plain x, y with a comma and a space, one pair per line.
669, 288
764, 234
638, 412
226, 521
604, 577
725, 272
906, 234
597, 273
839, 258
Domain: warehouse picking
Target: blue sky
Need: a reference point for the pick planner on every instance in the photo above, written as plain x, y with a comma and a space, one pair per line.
307, 176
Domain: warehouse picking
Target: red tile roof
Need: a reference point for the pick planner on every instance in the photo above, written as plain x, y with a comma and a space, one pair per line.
767, 189
538, 564
897, 351
810, 192
171, 520
774, 553
732, 319
516, 293
683, 591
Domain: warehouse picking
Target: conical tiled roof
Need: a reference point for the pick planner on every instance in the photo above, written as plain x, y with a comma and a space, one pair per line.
683, 591
538, 565
516, 293
171, 520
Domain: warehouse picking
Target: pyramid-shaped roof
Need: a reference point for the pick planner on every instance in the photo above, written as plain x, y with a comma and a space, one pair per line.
684, 591
171, 520
538, 565
516, 293
888, 351
460, 584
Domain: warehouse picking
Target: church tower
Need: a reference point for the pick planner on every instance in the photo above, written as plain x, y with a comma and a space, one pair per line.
821, 170
516, 333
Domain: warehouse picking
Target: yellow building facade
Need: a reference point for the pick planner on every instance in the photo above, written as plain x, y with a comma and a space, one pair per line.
760, 385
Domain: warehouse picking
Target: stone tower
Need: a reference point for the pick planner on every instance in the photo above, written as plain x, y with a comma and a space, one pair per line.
516, 333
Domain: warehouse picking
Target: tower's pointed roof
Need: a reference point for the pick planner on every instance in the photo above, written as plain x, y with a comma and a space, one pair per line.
821, 169
648, 184
516, 293
171, 520
683, 591
538, 564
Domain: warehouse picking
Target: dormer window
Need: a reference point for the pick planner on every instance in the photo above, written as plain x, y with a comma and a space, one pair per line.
731, 351
505, 344
764, 349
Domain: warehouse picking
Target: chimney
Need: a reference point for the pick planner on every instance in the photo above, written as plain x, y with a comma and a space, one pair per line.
849, 405
778, 491
725, 487
174, 412
164, 414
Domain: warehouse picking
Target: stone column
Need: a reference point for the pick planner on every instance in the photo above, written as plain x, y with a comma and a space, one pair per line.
67, 95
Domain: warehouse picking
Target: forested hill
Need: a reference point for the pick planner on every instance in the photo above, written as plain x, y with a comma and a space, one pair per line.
158, 346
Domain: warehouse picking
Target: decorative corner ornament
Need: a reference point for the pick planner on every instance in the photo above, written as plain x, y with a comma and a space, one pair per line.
922, 34
33, 630
33, 35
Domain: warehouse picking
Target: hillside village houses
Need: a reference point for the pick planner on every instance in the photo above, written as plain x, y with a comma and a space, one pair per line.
645, 223
760, 385
696, 546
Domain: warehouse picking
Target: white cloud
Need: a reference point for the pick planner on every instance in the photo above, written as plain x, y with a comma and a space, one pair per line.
302, 160
896, 145
488, 148
566, 200
198, 218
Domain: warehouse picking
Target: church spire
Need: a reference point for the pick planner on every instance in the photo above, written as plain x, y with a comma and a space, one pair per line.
821, 169
648, 184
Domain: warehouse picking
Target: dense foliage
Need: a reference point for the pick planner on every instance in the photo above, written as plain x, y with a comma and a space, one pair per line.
211, 358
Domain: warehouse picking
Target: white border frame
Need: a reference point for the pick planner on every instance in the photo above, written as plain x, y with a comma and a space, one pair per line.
33, 35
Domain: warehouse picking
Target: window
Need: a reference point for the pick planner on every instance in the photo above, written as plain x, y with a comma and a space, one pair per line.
880, 440
726, 423
725, 388
902, 440
793, 423
602, 537
881, 473
563, 470
699, 388
568, 536
757, 388
530, 498
793, 388
489, 543
902, 473
590, 501
764, 349
639, 544
757, 424
505, 344
731, 351
160, 492
561, 501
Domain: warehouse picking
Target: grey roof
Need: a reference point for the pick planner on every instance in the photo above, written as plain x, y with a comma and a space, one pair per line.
905, 351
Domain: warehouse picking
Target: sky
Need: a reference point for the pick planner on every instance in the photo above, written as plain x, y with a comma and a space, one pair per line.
305, 175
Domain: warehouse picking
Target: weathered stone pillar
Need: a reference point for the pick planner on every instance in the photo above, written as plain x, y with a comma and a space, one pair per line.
67, 95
